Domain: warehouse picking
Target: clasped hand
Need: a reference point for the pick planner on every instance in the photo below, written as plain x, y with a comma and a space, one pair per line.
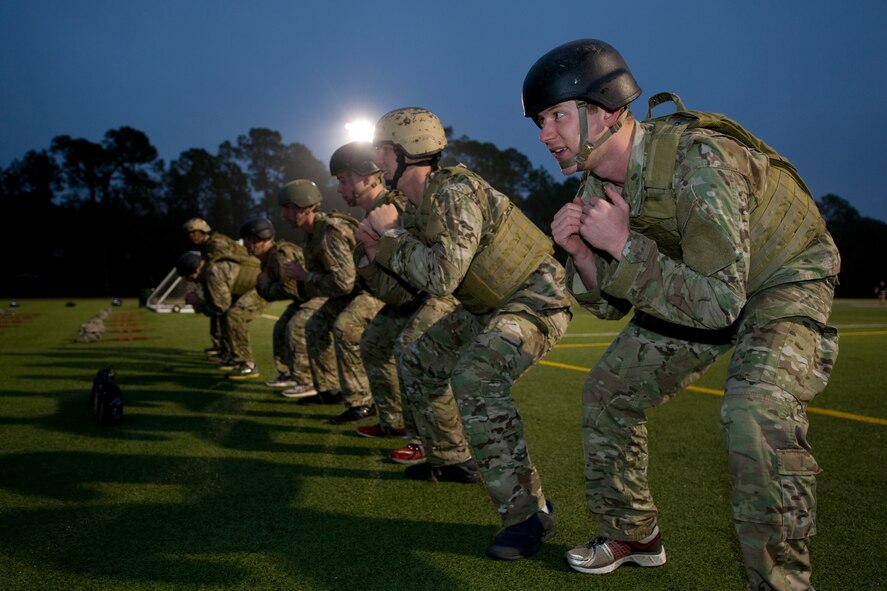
376, 223
295, 270
599, 224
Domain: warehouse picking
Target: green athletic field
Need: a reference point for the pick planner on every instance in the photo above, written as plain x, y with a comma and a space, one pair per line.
210, 484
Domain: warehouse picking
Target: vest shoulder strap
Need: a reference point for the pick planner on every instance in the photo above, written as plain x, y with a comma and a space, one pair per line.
668, 129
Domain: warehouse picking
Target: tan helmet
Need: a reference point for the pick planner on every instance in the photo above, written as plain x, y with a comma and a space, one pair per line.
415, 132
196, 225
301, 192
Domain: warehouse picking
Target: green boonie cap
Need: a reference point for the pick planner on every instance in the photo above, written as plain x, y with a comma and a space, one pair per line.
300, 192
188, 263
196, 225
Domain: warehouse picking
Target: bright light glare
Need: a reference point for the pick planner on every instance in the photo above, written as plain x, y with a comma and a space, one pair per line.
360, 131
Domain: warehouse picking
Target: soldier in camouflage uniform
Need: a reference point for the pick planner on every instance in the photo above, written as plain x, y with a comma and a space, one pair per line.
329, 272
229, 283
715, 245
210, 244
407, 312
470, 241
360, 184
290, 358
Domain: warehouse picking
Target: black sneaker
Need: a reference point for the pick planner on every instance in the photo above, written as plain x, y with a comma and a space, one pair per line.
463, 472
523, 539
324, 397
354, 414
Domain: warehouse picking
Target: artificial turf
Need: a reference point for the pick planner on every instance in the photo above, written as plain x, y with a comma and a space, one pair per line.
210, 484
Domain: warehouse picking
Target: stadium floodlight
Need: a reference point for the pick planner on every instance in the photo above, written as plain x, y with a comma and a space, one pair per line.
360, 130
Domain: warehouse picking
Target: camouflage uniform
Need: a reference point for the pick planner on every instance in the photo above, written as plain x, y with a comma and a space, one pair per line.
232, 296
290, 358
407, 314
341, 319
689, 278
218, 245
478, 355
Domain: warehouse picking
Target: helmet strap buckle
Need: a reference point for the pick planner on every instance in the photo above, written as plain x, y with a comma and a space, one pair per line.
589, 147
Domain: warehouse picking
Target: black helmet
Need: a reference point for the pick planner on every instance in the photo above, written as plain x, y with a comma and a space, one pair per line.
356, 157
259, 228
188, 263
586, 69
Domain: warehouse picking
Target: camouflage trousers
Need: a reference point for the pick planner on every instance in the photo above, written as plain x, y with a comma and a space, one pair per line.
476, 360
235, 325
322, 372
215, 335
776, 369
341, 322
288, 342
394, 328
377, 352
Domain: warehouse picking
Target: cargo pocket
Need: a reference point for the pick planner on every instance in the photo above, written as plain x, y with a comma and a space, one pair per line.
797, 355
797, 479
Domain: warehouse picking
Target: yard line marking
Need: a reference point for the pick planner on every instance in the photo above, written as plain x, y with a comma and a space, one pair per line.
862, 333
859, 333
714, 392
581, 345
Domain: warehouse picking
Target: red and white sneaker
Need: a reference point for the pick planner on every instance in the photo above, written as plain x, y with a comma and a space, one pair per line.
603, 555
412, 453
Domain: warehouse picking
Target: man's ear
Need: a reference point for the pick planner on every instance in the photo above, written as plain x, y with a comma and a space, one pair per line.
610, 117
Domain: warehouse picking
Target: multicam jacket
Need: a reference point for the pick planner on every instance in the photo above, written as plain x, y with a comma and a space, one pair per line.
691, 266
275, 284
378, 280
329, 257
226, 280
457, 219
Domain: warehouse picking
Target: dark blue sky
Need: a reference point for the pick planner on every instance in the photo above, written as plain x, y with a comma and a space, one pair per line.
806, 76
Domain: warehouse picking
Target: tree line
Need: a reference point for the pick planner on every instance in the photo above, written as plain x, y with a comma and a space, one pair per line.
85, 218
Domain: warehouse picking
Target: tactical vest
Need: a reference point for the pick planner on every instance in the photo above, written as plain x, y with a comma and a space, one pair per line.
246, 277
782, 222
510, 250
313, 250
219, 246
250, 266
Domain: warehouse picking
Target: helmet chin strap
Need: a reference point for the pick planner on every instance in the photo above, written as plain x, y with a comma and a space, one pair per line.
587, 147
402, 165
357, 195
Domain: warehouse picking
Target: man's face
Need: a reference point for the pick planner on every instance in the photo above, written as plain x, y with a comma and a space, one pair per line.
386, 160
559, 131
346, 187
355, 189
256, 247
197, 237
297, 217
197, 275
250, 243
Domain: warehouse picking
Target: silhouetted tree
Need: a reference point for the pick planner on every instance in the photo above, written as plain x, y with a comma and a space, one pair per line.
859, 240
124, 166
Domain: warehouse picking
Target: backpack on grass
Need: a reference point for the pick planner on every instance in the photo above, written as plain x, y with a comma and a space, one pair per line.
106, 399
